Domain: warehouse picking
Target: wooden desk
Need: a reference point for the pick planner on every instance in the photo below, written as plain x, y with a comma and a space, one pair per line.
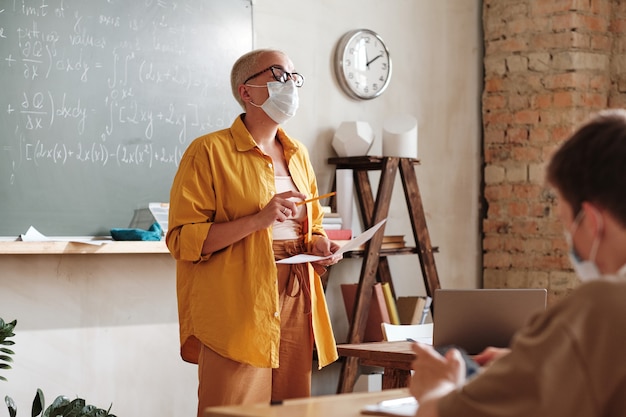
338, 405
395, 357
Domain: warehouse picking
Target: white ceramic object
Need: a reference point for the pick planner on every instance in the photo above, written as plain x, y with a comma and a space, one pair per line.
353, 138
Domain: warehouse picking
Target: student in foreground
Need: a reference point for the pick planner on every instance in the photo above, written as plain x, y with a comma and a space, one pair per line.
569, 360
236, 207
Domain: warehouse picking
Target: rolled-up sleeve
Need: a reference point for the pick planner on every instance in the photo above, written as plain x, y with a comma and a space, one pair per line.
192, 209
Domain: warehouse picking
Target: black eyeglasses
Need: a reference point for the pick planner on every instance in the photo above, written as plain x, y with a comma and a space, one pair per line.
280, 75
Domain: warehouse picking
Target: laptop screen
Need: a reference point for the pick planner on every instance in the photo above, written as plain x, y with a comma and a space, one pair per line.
477, 318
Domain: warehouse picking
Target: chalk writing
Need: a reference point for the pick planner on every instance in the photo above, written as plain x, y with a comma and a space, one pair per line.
109, 92
106, 95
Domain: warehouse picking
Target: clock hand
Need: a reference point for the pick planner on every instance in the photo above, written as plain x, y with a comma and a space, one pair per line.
374, 59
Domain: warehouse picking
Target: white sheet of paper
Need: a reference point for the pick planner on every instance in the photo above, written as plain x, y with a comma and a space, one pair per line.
34, 235
351, 245
160, 212
406, 406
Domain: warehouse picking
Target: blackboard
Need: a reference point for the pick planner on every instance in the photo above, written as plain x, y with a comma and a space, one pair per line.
100, 98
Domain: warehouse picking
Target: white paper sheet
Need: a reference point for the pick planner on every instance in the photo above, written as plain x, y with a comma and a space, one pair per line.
160, 211
351, 245
406, 406
34, 235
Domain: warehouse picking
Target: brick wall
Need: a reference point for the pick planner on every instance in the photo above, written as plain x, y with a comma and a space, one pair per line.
548, 65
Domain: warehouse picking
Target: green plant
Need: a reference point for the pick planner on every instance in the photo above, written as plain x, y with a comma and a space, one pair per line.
6, 331
61, 407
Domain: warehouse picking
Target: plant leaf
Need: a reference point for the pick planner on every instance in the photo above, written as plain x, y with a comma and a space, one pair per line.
11, 406
6, 331
57, 407
7, 328
73, 409
38, 403
88, 411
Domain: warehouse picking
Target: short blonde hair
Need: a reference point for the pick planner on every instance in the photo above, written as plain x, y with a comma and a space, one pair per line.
245, 67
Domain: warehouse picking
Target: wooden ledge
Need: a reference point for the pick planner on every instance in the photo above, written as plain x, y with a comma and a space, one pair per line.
77, 248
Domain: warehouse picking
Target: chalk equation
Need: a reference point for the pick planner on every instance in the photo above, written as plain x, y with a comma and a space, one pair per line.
98, 153
111, 83
100, 99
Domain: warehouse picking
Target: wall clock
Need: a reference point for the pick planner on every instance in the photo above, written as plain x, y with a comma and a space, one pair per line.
362, 64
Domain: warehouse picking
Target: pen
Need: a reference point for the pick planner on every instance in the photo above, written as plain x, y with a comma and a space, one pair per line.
319, 197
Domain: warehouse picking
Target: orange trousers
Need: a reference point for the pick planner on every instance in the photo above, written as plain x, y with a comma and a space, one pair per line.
223, 381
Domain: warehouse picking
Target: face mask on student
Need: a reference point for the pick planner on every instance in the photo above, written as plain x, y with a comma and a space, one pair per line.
587, 270
282, 103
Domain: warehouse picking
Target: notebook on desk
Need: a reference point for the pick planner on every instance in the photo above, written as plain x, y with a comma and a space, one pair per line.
477, 318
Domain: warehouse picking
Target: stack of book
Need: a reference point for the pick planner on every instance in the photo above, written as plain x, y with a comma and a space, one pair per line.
332, 221
333, 226
390, 242
413, 309
385, 309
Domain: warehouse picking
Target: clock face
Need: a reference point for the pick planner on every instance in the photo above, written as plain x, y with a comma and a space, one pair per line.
362, 64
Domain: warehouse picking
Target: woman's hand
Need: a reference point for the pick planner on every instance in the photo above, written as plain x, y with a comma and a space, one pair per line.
322, 246
278, 209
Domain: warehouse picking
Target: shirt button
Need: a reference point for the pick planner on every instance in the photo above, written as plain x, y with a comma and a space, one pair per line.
276, 314
269, 165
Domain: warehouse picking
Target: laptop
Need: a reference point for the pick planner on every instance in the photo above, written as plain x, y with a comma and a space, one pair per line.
477, 318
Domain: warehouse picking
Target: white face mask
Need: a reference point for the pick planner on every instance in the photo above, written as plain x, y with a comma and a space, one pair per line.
587, 270
282, 103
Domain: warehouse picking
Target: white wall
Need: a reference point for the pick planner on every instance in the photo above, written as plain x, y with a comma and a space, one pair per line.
104, 327
436, 50
101, 327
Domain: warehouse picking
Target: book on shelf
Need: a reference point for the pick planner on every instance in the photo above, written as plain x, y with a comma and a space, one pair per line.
331, 220
392, 308
330, 214
338, 234
378, 312
413, 309
390, 242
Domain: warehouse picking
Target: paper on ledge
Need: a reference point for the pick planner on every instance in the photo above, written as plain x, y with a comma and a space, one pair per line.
351, 245
160, 212
34, 235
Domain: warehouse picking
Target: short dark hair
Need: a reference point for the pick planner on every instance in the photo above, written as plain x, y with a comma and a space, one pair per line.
591, 165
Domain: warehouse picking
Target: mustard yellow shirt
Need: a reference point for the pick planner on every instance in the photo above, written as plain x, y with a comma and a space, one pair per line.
228, 299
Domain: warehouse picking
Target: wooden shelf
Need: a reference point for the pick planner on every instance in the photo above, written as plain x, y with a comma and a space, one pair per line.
375, 266
407, 250
366, 162
75, 248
